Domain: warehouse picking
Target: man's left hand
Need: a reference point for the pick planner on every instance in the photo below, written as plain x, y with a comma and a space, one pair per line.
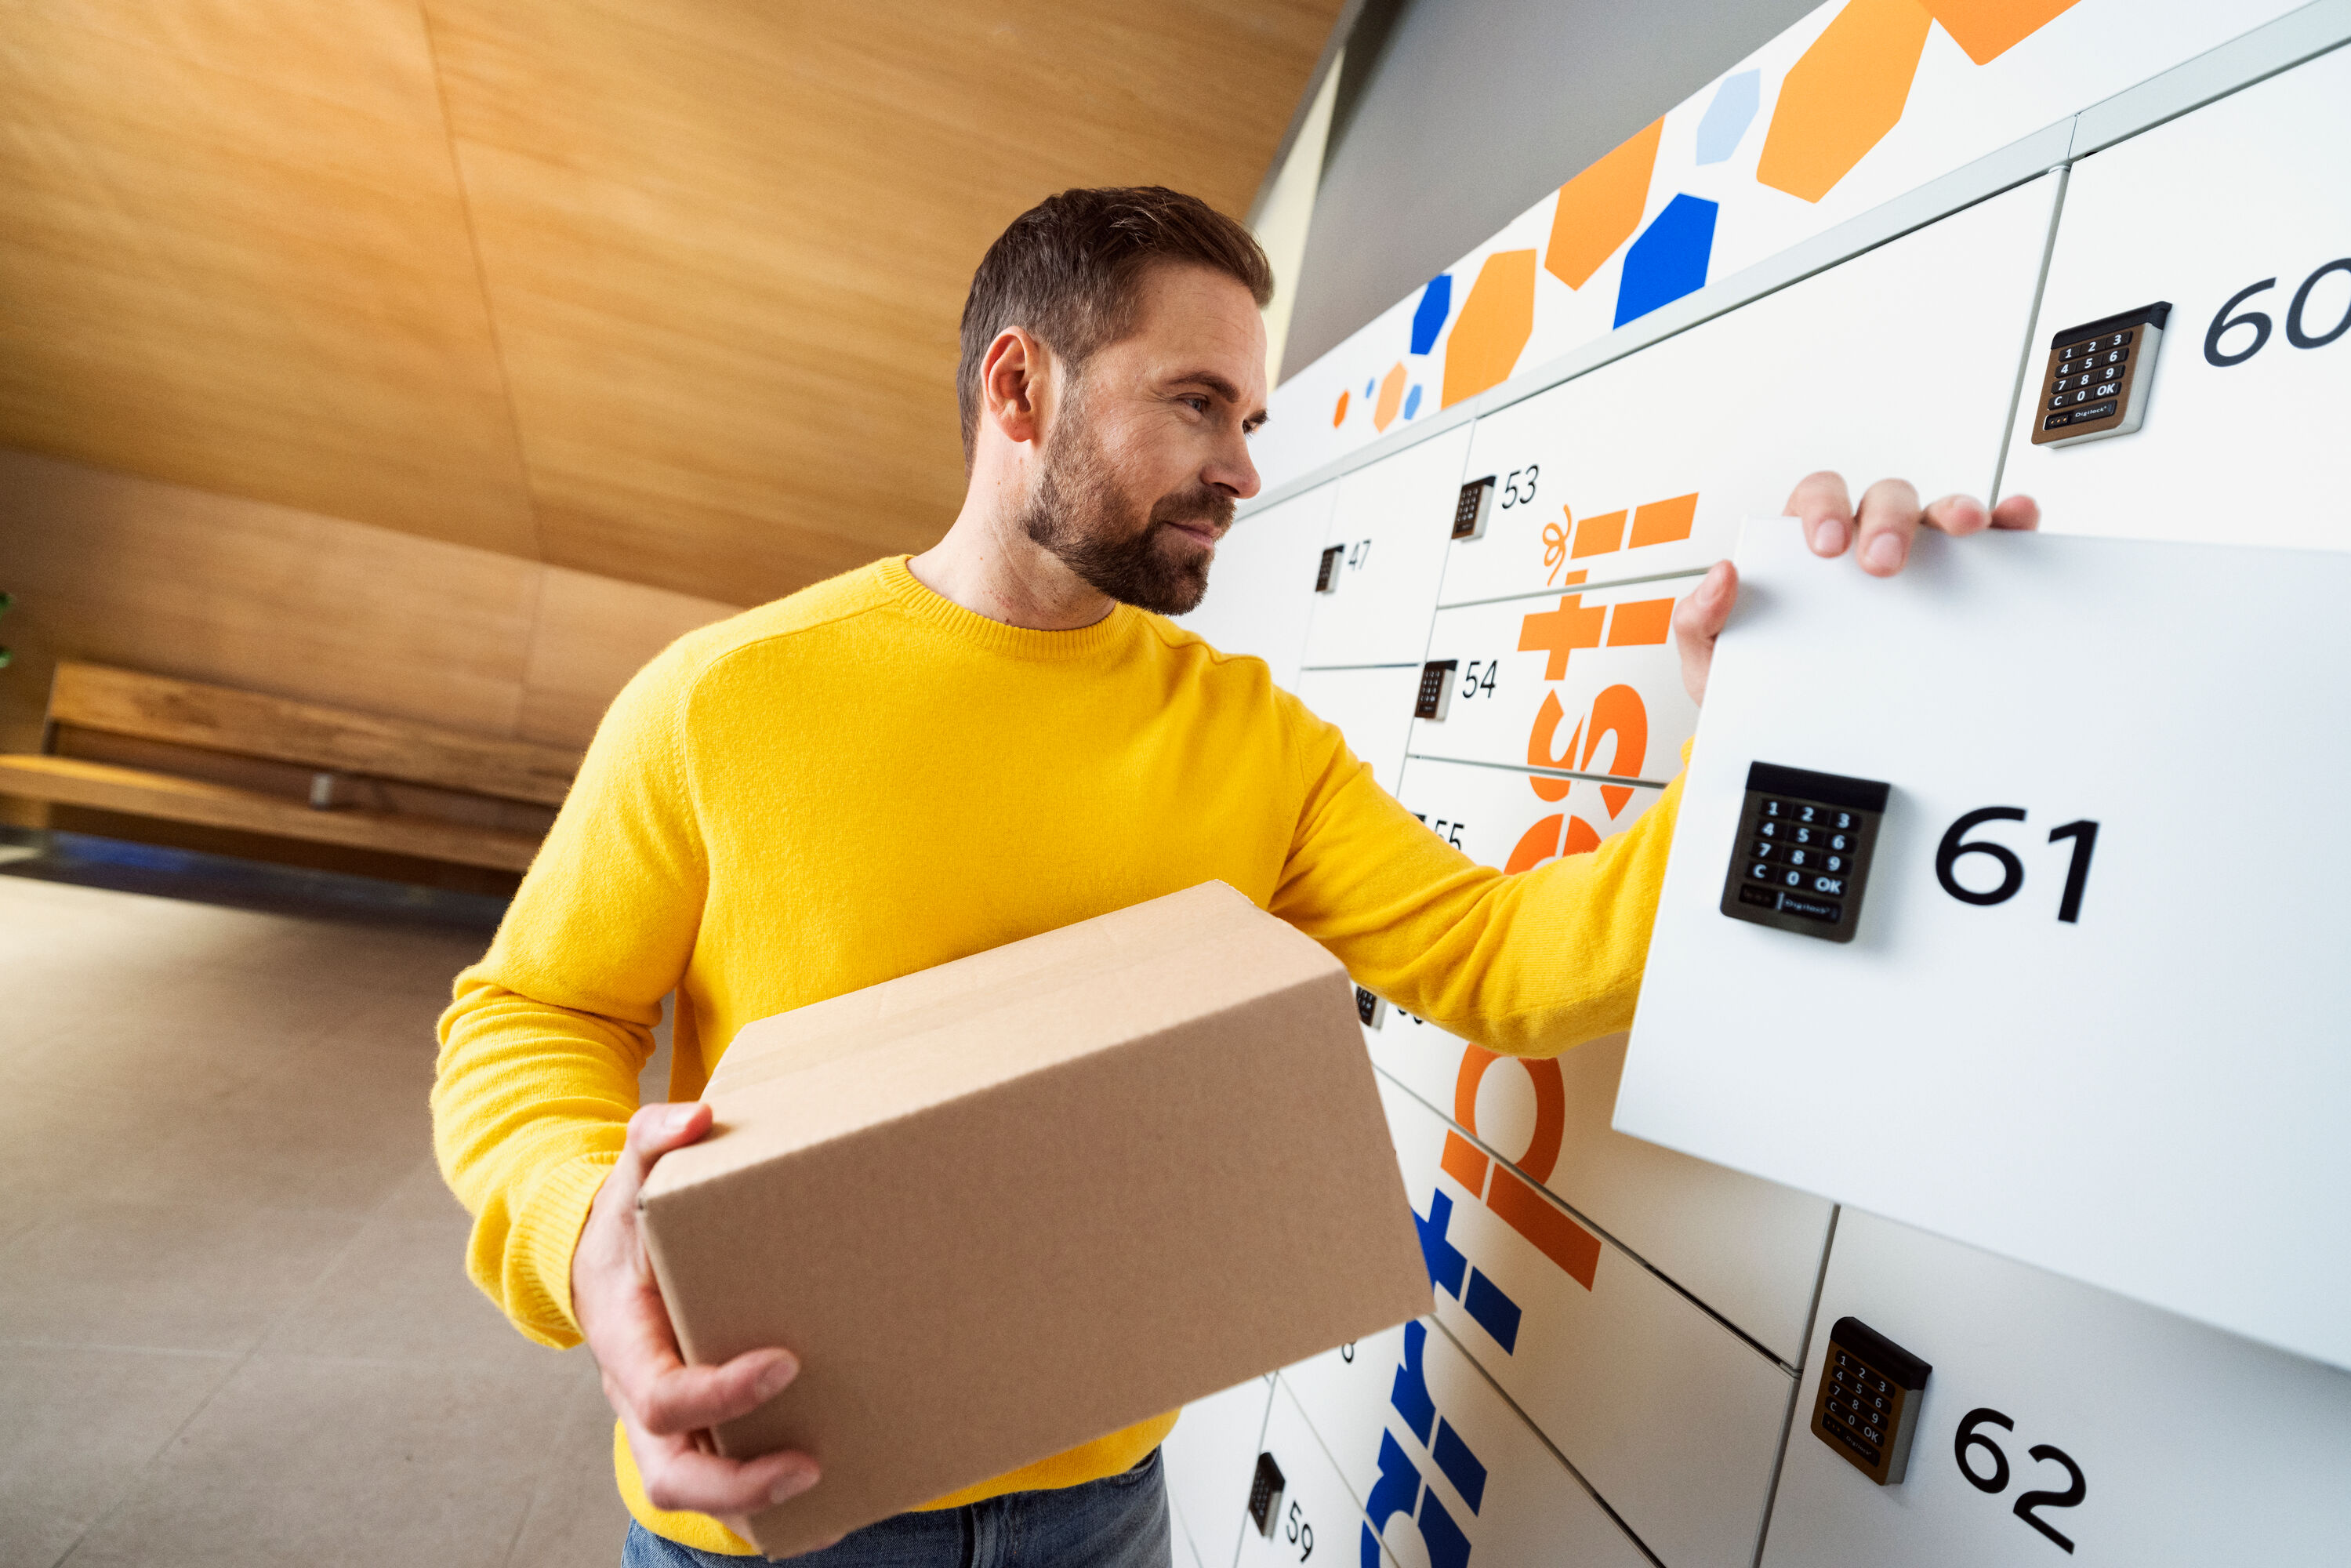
1889, 517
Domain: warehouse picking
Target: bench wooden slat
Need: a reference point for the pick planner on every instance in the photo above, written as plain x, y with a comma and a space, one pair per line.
134, 791
220, 718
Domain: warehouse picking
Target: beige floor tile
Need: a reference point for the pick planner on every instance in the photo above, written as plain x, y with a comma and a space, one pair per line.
309, 1462
423, 1195
399, 1292
81, 1425
576, 1520
192, 1276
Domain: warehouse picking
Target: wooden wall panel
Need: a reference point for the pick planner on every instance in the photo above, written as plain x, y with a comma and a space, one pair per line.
236, 256
662, 290
163, 578
726, 241
590, 635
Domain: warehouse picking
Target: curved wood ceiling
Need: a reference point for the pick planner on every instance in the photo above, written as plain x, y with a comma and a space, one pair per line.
661, 290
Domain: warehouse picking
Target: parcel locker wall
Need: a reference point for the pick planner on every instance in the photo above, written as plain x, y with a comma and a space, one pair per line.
1672, 1418
2237, 217
2062, 1424
1443, 1468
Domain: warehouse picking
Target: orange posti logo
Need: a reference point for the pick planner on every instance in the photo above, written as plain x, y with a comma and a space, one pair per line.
1512, 1196
1653, 522
1617, 713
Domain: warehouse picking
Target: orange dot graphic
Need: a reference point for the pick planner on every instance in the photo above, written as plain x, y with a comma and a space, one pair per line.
1339, 414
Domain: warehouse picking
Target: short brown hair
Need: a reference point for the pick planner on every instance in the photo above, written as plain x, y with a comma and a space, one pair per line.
1068, 269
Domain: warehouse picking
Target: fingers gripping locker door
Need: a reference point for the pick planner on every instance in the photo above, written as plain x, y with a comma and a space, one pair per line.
1645, 468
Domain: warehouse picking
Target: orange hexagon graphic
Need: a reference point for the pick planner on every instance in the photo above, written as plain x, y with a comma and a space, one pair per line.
1339, 414
1844, 94
1384, 413
1988, 29
1495, 323
1599, 208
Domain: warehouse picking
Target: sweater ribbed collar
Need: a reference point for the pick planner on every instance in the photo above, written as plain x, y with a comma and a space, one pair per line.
977, 631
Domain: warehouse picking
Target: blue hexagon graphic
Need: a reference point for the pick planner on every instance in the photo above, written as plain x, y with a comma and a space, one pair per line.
1429, 319
1668, 260
1412, 402
1728, 116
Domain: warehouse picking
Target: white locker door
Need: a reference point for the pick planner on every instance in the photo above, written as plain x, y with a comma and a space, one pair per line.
1673, 1419
1371, 707
1899, 363
1389, 527
1446, 1470
2239, 211
1577, 682
2140, 1438
1315, 1517
1208, 1458
1750, 1249
1262, 588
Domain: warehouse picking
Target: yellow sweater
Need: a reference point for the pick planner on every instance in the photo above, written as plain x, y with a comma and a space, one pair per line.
865, 779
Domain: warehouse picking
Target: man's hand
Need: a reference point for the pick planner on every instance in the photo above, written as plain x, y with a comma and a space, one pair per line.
666, 1406
1889, 519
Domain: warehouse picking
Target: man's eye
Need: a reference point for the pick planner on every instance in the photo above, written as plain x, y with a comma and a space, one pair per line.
1196, 404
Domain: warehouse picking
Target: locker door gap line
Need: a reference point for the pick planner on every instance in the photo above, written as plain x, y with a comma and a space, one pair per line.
1581, 588
1320, 669
2024, 363
1796, 1396
1543, 1437
1543, 773
1750, 1340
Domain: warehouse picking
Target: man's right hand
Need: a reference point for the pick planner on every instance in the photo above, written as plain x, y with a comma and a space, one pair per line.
665, 1407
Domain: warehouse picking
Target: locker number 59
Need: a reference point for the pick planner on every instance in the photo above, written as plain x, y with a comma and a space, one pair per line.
1298, 1532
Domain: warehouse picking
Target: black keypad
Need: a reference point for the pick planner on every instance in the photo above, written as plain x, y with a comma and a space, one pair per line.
1867, 1407
1470, 512
1806, 840
1436, 689
2090, 377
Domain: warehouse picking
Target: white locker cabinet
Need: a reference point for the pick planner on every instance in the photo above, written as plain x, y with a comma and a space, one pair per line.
1371, 707
1389, 526
2239, 211
1315, 1517
1446, 1471
1673, 1419
1262, 587
1584, 682
2191, 1447
1899, 363
1513, 820
1208, 1458
1749, 1249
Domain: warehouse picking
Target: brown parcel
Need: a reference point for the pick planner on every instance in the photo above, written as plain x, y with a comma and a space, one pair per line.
1013, 1203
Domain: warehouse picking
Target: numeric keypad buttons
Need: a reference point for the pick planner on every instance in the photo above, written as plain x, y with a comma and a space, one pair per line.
1803, 848
2097, 377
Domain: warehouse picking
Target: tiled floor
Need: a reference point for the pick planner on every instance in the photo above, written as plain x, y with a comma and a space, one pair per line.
234, 1327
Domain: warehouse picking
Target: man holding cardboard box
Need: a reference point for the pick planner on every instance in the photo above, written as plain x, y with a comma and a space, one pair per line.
934, 757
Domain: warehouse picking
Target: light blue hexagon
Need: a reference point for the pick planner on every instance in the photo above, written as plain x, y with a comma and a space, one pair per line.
1728, 116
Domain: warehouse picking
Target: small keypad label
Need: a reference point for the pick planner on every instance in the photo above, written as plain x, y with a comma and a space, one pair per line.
1803, 850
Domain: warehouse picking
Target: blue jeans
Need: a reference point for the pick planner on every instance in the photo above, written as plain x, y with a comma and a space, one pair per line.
1119, 1521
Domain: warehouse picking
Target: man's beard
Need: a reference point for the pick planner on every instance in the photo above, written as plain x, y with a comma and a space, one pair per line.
1078, 511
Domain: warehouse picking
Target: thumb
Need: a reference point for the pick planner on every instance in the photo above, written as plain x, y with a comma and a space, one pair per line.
654, 1132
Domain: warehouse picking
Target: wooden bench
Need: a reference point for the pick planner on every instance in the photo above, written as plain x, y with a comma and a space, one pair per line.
148, 746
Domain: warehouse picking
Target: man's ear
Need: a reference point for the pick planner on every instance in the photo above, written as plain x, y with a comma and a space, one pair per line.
1012, 384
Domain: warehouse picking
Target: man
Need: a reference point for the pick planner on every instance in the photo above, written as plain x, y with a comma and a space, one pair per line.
936, 755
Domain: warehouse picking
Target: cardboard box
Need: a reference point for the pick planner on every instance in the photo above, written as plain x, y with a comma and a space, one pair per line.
1008, 1205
